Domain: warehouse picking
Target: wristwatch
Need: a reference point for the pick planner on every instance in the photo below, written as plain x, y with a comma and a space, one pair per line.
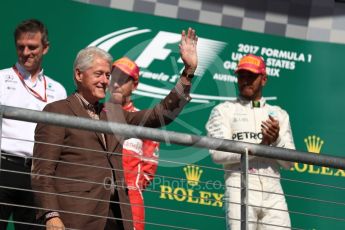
187, 75
51, 215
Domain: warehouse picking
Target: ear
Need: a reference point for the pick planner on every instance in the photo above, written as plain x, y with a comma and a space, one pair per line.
134, 85
78, 75
45, 48
264, 80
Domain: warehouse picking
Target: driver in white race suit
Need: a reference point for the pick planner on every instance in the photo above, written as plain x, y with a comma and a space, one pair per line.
251, 119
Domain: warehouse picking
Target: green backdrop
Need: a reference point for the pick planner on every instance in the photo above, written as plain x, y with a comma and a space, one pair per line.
305, 78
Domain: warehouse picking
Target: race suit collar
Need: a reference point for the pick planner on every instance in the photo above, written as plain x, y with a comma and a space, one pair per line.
129, 106
250, 103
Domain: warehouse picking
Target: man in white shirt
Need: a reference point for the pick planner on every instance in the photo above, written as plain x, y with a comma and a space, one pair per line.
23, 85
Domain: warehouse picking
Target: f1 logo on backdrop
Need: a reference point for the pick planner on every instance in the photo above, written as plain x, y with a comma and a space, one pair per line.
156, 50
207, 51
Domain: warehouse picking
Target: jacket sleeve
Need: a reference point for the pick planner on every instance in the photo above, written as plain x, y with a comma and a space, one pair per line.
285, 139
219, 126
45, 157
164, 112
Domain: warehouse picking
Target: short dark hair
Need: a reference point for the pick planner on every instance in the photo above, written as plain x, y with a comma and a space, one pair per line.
32, 25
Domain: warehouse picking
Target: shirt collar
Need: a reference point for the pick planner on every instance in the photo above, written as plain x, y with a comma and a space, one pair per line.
250, 103
87, 105
25, 74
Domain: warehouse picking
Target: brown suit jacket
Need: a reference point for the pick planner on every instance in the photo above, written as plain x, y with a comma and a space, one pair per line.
74, 167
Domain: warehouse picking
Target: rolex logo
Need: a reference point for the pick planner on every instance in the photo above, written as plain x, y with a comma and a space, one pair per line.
314, 144
193, 174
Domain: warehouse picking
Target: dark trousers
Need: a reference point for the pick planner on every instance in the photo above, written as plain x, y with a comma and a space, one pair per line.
11, 198
115, 213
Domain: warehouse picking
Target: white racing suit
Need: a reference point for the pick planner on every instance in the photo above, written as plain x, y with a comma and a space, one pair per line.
140, 161
241, 120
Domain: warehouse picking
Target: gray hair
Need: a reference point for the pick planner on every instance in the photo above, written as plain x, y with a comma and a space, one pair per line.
86, 57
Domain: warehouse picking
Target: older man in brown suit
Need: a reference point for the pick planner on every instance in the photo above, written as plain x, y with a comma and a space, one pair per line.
72, 169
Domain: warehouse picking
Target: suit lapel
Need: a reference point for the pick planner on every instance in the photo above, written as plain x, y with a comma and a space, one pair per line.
76, 107
113, 113
79, 111
109, 138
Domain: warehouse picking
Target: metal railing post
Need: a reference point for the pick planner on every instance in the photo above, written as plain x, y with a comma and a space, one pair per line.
1, 118
244, 190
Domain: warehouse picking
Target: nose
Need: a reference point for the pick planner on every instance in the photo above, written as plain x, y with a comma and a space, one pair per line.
113, 86
26, 50
246, 80
105, 78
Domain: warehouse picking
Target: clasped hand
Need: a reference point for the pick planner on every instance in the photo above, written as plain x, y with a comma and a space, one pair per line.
270, 131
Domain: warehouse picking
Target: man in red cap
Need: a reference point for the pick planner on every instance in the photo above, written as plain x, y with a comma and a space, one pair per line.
251, 119
139, 157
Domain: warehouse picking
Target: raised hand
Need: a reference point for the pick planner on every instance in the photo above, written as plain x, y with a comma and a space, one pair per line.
188, 50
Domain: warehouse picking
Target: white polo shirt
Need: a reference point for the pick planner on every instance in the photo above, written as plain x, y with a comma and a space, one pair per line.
24, 94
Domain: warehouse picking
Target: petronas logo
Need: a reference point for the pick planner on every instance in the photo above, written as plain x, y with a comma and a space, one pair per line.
193, 174
314, 144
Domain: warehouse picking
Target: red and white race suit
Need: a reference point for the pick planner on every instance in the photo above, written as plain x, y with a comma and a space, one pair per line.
140, 161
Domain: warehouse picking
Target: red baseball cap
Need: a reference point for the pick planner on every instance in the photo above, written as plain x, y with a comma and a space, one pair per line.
252, 63
129, 67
